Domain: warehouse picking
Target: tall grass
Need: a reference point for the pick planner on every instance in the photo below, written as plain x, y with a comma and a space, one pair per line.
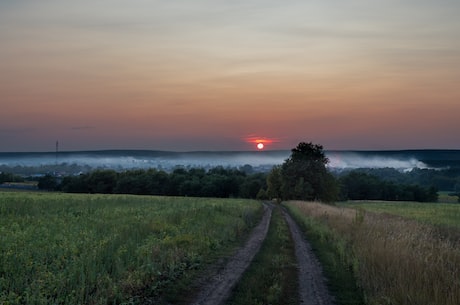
100, 249
395, 260
333, 252
443, 214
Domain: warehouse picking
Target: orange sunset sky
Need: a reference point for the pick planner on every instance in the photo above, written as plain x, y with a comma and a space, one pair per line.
214, 75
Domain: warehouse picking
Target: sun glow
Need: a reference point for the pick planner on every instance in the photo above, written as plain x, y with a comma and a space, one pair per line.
260, 142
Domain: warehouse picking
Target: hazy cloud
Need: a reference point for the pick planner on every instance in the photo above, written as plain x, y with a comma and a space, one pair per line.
16, 130
334, 72
82, 127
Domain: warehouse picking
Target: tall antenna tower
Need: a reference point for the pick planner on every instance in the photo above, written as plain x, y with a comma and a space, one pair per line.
57, 151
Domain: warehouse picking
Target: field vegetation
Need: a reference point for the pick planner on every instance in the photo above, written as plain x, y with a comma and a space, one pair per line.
448, 197
394, 260
442, 214
110, 249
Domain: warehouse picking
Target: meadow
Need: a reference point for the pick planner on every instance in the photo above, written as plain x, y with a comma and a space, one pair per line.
443, 214
110, 249
394, 260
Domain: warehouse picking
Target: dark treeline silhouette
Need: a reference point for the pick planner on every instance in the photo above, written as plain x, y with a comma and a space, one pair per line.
358, 185
9, 177
443, 179
196, 182
304, 176
223, 182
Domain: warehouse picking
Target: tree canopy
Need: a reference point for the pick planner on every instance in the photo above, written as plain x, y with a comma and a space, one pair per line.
303, 176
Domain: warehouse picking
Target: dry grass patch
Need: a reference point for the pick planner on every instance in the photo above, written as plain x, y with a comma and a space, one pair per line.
396, 260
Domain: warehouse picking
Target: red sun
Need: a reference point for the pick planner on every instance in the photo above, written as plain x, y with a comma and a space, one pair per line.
260, 142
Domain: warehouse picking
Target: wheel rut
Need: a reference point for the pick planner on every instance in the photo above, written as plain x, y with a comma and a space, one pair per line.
219, 286
312, 284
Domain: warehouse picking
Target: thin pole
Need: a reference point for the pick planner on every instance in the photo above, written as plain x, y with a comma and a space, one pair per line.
57, 151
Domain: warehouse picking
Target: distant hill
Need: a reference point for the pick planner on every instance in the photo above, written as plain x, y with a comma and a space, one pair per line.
259, 160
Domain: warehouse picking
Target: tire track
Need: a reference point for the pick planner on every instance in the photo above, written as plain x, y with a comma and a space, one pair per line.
219, 287
312, 284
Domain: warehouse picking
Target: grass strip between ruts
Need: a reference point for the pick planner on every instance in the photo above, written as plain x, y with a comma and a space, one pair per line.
272, 276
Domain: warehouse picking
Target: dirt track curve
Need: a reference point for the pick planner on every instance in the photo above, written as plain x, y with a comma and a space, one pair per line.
312, 287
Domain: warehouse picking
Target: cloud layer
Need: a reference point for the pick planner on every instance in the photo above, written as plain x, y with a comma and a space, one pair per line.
167, 74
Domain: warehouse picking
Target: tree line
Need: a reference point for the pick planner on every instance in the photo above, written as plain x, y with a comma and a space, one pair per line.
196, 182
303, 176
9, 177
447, 179
358, 185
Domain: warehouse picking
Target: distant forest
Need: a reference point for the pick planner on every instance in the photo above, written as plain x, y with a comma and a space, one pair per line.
361, 184
196, 182
243, 181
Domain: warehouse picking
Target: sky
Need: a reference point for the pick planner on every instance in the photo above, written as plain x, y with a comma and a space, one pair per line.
219, 75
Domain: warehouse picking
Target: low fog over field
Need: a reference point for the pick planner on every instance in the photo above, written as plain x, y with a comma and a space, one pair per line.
258, 160
353, 160
121, 160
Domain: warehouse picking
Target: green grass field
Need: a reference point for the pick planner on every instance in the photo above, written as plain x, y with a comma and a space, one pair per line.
110, 249
447, 197
445, 214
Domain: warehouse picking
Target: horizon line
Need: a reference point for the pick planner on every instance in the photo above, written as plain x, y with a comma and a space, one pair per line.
223, 151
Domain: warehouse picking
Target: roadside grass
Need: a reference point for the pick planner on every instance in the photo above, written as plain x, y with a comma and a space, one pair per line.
333, 252
272, 276
447, 197
111, 249
394, 260
443, 214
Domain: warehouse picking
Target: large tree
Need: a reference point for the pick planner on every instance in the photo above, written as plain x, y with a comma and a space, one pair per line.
304, 176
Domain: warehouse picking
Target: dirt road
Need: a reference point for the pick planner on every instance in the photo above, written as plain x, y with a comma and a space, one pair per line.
220, 286
312, 284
